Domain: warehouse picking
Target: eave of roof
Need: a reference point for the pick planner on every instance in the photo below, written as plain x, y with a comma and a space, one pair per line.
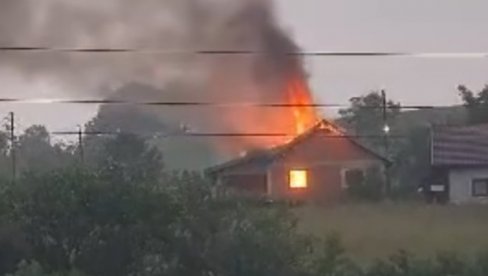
272, 153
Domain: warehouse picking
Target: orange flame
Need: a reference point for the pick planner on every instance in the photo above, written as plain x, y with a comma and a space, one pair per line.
300, 97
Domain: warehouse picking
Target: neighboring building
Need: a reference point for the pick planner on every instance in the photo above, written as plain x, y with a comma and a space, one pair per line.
315, 166
460, 164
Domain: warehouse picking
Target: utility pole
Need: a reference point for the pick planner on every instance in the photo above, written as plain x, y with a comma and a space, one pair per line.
13, 146
386, 142
80, 145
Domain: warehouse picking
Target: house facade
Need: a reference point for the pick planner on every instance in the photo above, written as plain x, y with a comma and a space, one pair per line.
315, 166
460, 163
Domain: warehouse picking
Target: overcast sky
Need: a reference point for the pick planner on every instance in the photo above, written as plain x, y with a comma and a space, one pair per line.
385, 25
343, 25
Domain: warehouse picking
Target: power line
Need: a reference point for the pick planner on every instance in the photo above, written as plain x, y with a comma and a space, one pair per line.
207, 134
201, 104
122, 50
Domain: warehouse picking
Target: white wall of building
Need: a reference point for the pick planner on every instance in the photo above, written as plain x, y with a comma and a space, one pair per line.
460, 181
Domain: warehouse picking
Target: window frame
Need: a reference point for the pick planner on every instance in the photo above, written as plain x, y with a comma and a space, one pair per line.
476, 181
344, 172
307, 179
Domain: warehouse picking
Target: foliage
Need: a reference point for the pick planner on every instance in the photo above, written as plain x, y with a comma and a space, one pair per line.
411, 164
76, 219
36, 152
122, 214
35, 269
365, 116
410, 155
476, 104
329, 259
128, 158
4, 154
405, 264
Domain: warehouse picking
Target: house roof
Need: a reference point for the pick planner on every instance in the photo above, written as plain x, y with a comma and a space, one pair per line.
460, 146
267, 156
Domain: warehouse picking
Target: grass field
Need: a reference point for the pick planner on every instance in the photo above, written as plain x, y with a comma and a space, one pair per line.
373, 231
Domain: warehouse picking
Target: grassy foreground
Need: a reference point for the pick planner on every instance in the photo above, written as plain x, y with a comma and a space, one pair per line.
376, 231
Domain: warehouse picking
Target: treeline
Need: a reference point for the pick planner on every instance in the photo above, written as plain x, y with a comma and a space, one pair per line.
409, 132
123, 214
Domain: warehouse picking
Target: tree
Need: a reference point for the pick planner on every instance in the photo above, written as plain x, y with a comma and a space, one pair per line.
4, 155
476, 104
126, 157
36, 152
412, 160
77, 219
365, 117
410, 154
35, 269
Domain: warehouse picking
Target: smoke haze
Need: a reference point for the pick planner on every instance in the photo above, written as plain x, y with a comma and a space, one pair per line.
172, 25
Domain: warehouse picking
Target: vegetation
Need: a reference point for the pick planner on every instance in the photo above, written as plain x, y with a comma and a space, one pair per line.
476, 104
371, 231
409, 137
408, 147
365, 117
115, 209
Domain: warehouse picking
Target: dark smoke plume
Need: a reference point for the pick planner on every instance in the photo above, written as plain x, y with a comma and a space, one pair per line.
182, 25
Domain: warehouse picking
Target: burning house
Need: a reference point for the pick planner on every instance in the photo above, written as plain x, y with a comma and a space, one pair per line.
317, 165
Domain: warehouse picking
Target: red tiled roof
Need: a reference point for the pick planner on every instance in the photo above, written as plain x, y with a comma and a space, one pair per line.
460, 146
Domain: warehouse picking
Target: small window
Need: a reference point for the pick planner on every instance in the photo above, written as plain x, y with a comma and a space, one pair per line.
298, 179
353, 177
480, 187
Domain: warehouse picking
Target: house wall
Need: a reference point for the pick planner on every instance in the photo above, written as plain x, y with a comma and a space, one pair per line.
460, 185
326, 159
247, 178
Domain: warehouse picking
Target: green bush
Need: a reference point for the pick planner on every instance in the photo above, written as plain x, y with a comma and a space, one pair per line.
35, 269
79, 220
80, 223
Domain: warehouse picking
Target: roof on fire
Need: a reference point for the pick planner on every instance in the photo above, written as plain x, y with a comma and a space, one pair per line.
460, 146
266, 156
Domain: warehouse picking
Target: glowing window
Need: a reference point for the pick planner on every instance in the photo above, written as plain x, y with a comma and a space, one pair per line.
298, 179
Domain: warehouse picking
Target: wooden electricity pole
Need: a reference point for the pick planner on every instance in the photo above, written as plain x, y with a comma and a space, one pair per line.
386, 142
80, 145
13, 146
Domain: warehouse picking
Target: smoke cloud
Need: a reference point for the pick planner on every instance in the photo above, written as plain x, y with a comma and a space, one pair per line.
172, 25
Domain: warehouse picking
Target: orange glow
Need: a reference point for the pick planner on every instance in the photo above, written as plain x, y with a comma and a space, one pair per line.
298, 179
300, 97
